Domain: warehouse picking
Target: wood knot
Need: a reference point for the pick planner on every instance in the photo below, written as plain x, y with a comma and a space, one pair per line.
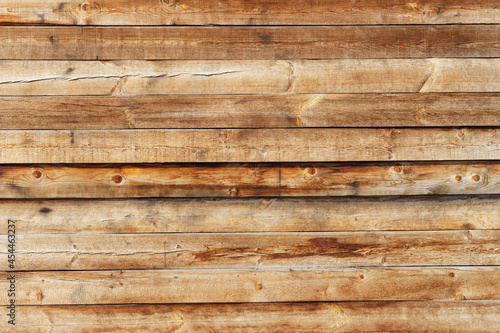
398, 168
458, 178
451, 275
86, 7
460, 134
234, 193
117, 179
311, 171
476, 178
37, 174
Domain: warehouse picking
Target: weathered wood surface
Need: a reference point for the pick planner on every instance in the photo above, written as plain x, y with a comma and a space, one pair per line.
261, 12
247, 180
142, 77
237, 286
249, 145
247, 111
253, 250
252, 214
411, 316
203, 43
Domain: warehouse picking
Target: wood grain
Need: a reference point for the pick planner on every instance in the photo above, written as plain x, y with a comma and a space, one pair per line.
248, 145
437, 316
252, 214
142, 77
247, 180
203, 43
247, 111
237, 286
261, 12
253, 250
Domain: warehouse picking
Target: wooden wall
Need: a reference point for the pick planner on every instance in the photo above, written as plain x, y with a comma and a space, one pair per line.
257, 166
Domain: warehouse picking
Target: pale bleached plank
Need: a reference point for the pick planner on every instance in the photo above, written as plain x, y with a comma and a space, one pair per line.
261, 12
141, 77
248, 145
253, 43
436, 316
248, 111
236, 286
247, 180
252, 250
252, 214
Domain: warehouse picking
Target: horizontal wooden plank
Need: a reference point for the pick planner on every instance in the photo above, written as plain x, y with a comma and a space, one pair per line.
253, 250
252, 214
436, 316
142, 77
261, 12
202, 43
248, 111
249, 145
247, 180
237, 286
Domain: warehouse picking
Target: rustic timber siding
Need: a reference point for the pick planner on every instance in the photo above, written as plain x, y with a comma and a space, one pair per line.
250, 166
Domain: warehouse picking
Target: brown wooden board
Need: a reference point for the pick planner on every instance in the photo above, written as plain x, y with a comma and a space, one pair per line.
436, 316
187, 215
249, 111
254, 43
240, 12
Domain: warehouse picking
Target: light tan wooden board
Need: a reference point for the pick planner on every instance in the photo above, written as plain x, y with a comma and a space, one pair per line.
261, 12
236, 286
247, 111
437, 316
249, 145
142, 77
177, 215
202, 43
247, 180
252, 250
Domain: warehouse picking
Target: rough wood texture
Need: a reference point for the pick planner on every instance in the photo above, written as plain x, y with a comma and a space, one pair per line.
203, 43
142, 77
237, 286
252, 215
260, 12
244, 111
253, 250
248, 145
246, 180
411, 316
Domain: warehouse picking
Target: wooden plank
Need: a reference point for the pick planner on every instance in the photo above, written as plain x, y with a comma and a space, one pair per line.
253, 43
237, 286
247, 111
142, 77
247, 180
436, 316
248, 145
252, 214
261, 12
253, 250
